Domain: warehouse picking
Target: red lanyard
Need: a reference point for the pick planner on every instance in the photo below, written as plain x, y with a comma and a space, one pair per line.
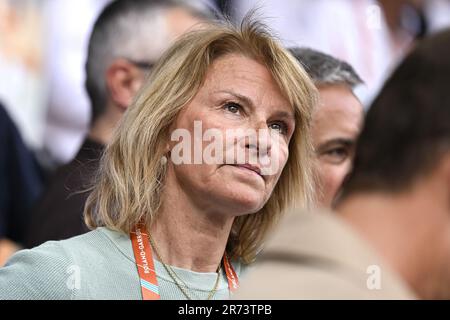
146, 268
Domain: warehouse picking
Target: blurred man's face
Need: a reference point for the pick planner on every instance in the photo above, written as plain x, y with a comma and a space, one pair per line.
336, 123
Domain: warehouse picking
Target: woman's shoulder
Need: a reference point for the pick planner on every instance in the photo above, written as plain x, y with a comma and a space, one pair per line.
98, 241
76, 249
57, 269
37, 274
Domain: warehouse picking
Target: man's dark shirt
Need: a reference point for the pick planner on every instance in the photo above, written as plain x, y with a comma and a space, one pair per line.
21, 180
59, 213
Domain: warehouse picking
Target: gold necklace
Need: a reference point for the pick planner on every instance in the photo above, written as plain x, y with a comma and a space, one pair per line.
183, 286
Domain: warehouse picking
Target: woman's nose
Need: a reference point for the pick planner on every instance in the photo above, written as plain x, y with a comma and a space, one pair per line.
261, 142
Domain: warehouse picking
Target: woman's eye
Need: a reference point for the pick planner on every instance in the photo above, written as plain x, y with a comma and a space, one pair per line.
282, 128
233, 107
336, 155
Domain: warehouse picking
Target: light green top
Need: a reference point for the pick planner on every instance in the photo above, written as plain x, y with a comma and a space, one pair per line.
97, 265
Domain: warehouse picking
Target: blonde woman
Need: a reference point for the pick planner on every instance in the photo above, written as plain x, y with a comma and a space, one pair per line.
166, 228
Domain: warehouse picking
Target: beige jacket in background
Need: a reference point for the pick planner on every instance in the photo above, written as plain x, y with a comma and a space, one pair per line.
317, 256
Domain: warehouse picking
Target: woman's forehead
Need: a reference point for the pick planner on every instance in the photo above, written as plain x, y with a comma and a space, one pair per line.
245, 78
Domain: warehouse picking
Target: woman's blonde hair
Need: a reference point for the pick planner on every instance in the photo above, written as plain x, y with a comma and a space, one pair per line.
131, 175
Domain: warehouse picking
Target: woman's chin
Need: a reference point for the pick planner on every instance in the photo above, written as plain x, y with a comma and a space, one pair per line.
246, 202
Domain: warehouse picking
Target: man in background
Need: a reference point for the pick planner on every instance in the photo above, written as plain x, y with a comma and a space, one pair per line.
336, 121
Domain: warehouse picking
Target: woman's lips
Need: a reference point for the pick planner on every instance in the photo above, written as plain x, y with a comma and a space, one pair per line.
249, 167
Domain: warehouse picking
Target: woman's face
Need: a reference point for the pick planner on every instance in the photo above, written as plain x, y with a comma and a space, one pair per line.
236, 133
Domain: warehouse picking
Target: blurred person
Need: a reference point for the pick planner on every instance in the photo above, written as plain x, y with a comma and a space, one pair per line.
22, 92
119, 57
171, 230
390, 238
20, 184
22, 79
336, 120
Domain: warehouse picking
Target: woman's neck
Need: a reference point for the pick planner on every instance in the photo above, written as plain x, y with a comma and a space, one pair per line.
189, 238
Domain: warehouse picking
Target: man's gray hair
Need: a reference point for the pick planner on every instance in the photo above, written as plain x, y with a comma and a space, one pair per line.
132, 29
324, 69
